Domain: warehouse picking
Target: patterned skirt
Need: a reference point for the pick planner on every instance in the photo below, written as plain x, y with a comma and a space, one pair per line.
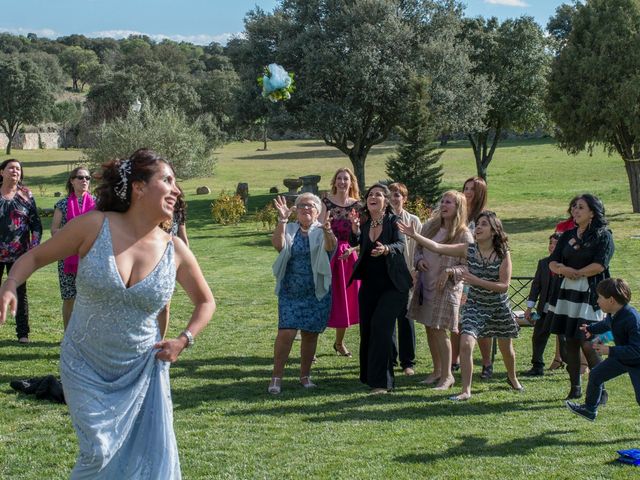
573, 308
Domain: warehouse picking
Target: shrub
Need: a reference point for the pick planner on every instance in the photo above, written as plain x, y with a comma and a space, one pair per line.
168, 132
268, 215
227, 209
419, 207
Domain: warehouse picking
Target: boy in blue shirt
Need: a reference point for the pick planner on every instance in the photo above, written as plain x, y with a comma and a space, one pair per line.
623, 321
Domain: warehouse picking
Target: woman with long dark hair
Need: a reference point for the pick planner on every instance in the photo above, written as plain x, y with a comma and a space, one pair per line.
384, 288
582, 257
487, 312
113, 363
77, 202
20, 230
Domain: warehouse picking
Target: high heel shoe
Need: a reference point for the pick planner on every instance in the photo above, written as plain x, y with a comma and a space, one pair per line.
446, 385
513, 387
430, 380
275, 386
342, 350
306, 382
556, 364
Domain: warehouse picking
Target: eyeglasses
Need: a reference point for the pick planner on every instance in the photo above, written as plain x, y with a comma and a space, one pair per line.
82, 177
306, 206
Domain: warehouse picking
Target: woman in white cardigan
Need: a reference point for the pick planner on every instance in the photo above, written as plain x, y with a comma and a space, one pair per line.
303, 283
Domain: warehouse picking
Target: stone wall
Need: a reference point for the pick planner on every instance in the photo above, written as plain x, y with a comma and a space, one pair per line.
32, 141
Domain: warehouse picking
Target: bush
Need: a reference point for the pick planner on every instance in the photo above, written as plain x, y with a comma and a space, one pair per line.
227, 209
419, 208
268, 215
167, 132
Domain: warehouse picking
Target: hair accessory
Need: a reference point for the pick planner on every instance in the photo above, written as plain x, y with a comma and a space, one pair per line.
124, 169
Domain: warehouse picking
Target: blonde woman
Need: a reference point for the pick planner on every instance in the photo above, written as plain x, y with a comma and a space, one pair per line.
436, 297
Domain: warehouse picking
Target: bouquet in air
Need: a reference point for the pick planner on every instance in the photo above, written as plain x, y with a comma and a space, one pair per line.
277, 84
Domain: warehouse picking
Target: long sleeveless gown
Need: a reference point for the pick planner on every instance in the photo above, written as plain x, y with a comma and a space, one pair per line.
117, 391
344, 302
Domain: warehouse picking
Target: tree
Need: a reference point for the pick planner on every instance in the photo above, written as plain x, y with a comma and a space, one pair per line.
167, 131
559, 26
25, 97
514, 57
594, 85
74, 60
67, 114
416, 162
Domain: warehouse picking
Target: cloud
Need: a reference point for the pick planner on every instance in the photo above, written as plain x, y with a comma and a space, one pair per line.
508, 3
41, 32
199, 39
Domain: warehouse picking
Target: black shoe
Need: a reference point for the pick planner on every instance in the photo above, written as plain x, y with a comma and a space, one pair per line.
604, 397
487, 372
575, 392
581, 410
455, 367
534, 372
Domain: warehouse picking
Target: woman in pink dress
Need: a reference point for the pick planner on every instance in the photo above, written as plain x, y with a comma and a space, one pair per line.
337, 204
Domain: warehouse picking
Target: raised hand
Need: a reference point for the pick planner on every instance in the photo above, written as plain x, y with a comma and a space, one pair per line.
284, 212
327, 222
407, 228
354, 217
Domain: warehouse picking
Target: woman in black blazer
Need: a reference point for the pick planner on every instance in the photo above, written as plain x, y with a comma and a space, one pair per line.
385, 284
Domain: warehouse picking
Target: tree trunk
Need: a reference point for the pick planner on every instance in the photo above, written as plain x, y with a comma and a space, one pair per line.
8, 150
264, 136
357, 160
633, 173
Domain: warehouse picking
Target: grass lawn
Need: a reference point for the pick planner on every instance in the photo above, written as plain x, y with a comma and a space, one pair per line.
228, 426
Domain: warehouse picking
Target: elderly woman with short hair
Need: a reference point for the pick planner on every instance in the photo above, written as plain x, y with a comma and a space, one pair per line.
303, 283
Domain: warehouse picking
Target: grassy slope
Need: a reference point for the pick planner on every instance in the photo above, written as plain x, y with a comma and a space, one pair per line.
228, 427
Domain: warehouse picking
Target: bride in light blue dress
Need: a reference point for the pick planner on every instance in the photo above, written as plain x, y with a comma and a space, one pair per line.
114, 364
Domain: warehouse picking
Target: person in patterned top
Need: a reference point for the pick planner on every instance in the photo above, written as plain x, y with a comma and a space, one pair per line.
77, 202
20, 230
487, 312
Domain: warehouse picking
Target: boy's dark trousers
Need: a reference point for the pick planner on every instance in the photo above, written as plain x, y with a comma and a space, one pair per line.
605, 371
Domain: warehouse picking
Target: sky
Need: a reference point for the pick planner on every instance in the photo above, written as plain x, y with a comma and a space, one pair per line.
195, 21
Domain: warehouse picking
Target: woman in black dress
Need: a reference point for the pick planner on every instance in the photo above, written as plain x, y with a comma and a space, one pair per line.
384, 288
582, 257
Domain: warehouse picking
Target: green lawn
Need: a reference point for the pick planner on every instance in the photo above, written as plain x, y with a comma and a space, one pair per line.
229, 427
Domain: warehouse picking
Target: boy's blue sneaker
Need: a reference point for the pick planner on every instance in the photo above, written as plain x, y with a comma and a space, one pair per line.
581, 410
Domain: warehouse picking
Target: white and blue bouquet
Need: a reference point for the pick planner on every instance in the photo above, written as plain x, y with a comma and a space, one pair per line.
277, 84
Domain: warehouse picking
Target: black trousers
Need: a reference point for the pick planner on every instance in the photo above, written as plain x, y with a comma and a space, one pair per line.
539, 339
380, 304
404, 341
22, 312
605, 371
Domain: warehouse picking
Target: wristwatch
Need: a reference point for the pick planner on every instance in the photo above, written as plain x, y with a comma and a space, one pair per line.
189, 336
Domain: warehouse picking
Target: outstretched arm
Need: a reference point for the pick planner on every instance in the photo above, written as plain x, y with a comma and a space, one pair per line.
454, 250
75, 238
190, 277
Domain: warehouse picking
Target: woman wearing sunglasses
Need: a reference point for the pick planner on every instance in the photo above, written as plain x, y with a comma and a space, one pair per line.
77, 202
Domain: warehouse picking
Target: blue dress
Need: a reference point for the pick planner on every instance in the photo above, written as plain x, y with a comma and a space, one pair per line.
117, 391
298, 307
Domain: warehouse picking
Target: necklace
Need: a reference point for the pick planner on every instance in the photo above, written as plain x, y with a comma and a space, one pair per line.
485, 259
377, 223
